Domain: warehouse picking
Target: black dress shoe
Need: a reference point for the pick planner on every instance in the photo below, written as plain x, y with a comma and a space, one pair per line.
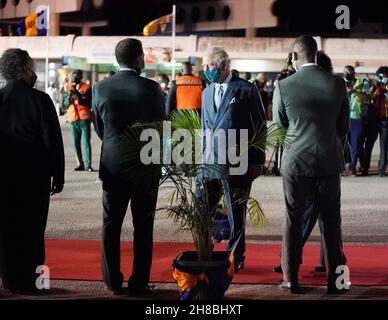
115, 292
81, 167
288, 286
332, 289
278, 269
148, 290
238, 265
320, 269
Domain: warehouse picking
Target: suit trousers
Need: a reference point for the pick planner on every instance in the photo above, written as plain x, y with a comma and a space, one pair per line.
240, 188
357, 128
143, 196
310, 218
383, 133
327, 194
370, 136
22, 228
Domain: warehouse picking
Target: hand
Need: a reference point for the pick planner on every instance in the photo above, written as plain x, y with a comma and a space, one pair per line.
56, 188
256, 171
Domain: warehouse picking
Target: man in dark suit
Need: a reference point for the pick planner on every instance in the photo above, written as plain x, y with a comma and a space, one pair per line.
31, 154
118, 102
231, 103
313, 105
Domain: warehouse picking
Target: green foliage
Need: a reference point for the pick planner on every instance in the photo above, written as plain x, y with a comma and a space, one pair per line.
186, 206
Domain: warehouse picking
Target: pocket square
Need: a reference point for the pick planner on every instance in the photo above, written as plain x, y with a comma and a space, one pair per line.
234, 100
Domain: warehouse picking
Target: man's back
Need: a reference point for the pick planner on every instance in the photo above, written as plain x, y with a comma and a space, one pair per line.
313, 104
29, 133
125, 98
118, 102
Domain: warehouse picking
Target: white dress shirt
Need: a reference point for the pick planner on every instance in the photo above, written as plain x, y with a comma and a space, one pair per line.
220, 89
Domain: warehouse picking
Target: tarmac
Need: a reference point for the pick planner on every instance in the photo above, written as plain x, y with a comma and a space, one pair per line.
76, 213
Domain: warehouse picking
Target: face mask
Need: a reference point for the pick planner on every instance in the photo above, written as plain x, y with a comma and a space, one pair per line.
212, 75
385, 80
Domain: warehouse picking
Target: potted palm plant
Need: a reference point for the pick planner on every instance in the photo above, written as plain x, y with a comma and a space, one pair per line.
203, 273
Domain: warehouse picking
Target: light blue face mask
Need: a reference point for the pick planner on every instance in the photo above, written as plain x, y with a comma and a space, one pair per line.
212, 75
385, 80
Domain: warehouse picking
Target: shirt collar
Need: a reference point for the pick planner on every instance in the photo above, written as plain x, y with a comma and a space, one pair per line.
127, 69
226, 81
308, 65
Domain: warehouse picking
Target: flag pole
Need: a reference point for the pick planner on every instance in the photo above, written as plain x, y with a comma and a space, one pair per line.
173, 41
47, 46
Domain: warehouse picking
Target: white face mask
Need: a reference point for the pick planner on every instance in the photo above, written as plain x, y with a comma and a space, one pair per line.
163, 85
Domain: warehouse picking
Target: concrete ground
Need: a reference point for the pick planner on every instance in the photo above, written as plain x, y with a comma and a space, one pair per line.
77, 214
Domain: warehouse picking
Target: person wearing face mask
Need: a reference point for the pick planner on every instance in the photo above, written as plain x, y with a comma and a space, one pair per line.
31, 168
186, 91
230, 102
381, 106
117, 103
79, 116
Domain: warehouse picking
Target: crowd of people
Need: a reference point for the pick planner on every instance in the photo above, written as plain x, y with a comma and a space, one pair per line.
315, 106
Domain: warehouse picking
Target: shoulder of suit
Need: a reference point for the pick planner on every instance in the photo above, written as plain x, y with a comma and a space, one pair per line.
41, 95
235, 81
208, 88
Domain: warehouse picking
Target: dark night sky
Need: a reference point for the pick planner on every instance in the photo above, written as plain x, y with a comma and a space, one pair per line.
295, 16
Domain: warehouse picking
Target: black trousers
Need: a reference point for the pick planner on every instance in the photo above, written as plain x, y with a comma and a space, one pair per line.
115, 199
240, 188
327, 197
370, 136
23, 219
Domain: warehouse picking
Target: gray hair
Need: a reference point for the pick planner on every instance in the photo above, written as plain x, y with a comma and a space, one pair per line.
14, 64
219, 56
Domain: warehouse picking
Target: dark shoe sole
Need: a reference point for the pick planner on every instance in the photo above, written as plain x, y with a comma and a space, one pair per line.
278, 269
320, 269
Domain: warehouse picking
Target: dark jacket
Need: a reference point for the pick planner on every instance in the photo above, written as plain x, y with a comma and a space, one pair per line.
314, 106
240, 109
118, 102
30, 135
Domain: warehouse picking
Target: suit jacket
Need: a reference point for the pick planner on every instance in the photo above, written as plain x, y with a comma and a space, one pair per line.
118, 102
314, 106
240, 109
30, 135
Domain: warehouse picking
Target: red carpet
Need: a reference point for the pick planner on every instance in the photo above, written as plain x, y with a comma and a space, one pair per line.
80, 260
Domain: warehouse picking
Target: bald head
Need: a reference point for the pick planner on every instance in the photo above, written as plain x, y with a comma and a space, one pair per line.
305, 50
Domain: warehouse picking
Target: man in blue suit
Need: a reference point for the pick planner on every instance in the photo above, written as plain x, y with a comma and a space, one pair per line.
230, 103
